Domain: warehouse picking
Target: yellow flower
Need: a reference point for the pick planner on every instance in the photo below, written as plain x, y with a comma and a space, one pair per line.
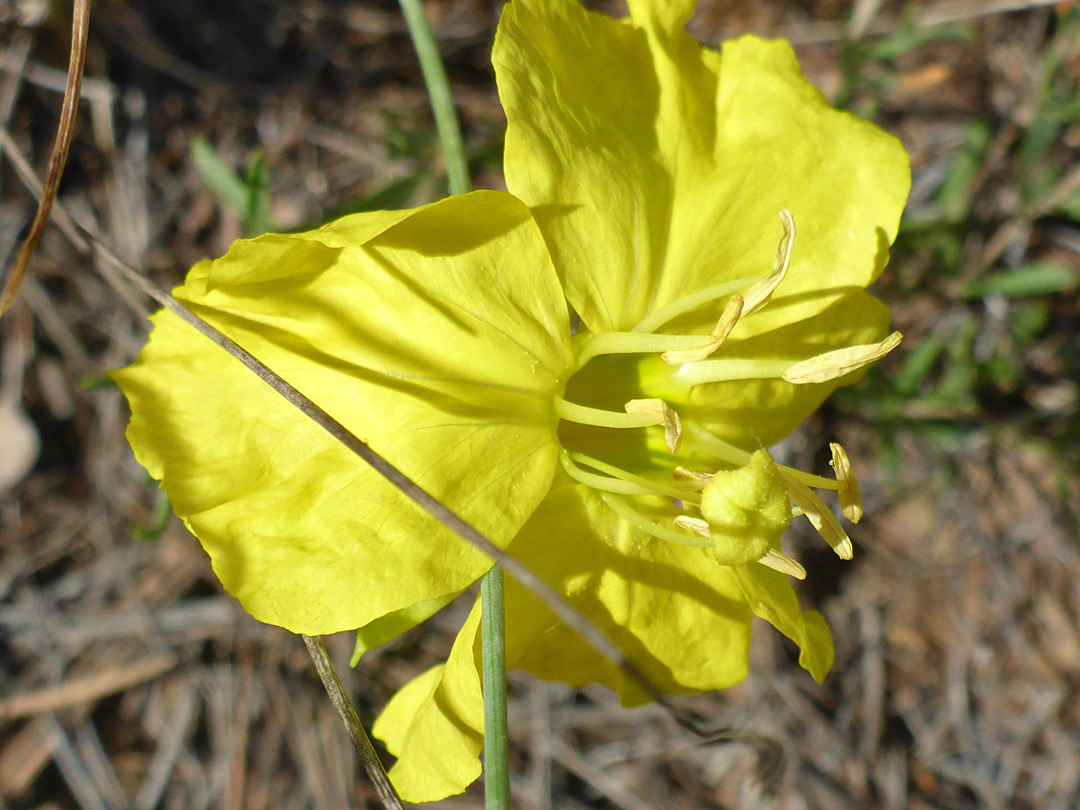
653, 182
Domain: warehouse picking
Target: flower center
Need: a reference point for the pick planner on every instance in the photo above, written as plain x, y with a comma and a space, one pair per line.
630, 429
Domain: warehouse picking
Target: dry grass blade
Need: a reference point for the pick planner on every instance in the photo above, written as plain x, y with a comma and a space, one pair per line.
80, 27
86, 690
360, 740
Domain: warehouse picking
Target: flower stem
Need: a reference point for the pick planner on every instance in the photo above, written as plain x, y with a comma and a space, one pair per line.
442, 103
493, 616
496, 733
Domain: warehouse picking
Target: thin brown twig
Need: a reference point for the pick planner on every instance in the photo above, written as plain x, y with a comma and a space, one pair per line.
80, 28
360, 740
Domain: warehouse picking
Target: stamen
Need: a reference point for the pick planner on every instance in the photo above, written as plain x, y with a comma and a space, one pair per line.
634, 343
778, 561
651, 487
696, 525
621, 508
823, 368
761, 293
819, 516
847, 486
670, 420
729, 369
728, 318
602, 483
692, 302
699, 479
837, 363
597, 417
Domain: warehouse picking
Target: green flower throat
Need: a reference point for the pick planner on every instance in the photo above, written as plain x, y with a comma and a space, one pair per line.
634, 414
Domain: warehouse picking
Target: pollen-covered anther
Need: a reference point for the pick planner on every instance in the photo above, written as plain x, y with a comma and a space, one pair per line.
778, 561
683, 474
666, 417
840, 362
847, 487
696, 525
761, 293
733, 310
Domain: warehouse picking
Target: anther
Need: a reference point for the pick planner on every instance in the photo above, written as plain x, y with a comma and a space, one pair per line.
778, 561
847, 487
670, 420
839, 362
728, 318
761, 293
818, 514
683, 474
696, 525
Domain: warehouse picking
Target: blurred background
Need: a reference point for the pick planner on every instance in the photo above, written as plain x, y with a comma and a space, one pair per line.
128, 679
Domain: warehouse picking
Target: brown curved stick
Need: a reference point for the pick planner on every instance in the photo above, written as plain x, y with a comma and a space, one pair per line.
360, 740
80, 27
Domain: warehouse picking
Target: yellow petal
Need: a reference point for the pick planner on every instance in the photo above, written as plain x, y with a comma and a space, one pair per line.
424, 340
435, 724
771, 597
657, 167
376, 633
643, 593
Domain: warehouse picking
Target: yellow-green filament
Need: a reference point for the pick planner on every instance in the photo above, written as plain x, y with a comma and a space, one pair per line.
693, 302
637, 343
597, 417
727, 369
738, 458
602, 483
639, 521
651, 487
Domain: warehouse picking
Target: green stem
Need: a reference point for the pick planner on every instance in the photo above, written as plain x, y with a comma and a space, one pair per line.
496, 733
442, 103
493, 614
